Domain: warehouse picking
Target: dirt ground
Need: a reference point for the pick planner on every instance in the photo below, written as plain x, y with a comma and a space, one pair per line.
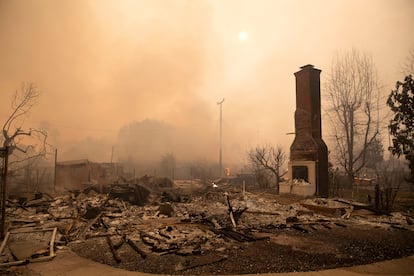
194, 235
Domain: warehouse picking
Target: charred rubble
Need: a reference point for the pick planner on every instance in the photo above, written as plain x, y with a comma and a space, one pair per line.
130, 223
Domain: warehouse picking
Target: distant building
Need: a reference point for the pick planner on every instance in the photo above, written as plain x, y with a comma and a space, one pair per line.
78, 174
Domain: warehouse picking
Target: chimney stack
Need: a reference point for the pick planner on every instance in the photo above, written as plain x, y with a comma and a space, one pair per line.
308, 152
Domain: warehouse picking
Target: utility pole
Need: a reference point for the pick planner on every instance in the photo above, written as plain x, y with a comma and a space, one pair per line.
4, 153
221, 138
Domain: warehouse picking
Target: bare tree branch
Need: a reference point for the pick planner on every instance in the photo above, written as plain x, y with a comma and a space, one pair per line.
22, 102
351, 95
268, 158
30, 144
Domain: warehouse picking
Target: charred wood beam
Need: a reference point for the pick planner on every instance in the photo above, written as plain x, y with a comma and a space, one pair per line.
113, 250
340, 224
172, 251
237, 236
136, 248
92, 222
120, 243
399, 227
204, 264
147, 239
313, 227
156, 243
104, 223
230, 210
326, 226
238, 213
299, 228
164, 235
101, 235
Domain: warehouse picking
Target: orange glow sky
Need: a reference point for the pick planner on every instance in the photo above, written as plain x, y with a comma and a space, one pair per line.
101, 65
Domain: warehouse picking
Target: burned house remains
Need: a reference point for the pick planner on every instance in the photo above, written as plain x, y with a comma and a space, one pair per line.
308, 165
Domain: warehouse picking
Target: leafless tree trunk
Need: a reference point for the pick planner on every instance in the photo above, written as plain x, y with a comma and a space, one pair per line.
15, 137
270, 159
352, 106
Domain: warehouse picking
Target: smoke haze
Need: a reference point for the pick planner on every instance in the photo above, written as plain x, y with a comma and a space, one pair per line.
106, 66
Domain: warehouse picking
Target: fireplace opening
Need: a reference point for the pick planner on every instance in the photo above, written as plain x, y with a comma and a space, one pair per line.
300, 172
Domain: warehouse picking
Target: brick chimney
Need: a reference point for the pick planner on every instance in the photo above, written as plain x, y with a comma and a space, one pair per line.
308, 152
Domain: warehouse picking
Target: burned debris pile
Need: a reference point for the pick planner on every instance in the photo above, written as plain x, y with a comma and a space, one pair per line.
130, 224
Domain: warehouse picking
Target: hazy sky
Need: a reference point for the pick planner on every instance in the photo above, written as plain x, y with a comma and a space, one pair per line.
101, 65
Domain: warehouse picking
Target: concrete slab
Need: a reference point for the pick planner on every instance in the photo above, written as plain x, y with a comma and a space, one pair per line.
23, 250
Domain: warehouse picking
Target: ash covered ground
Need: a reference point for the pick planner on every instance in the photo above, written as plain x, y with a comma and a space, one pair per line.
195, 228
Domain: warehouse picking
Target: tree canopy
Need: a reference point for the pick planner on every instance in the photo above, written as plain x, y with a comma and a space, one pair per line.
401, 127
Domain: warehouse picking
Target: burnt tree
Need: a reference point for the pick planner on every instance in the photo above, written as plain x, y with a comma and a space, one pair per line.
268, 159
24, 145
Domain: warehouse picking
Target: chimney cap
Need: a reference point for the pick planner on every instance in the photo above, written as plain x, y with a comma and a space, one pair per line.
307, 66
